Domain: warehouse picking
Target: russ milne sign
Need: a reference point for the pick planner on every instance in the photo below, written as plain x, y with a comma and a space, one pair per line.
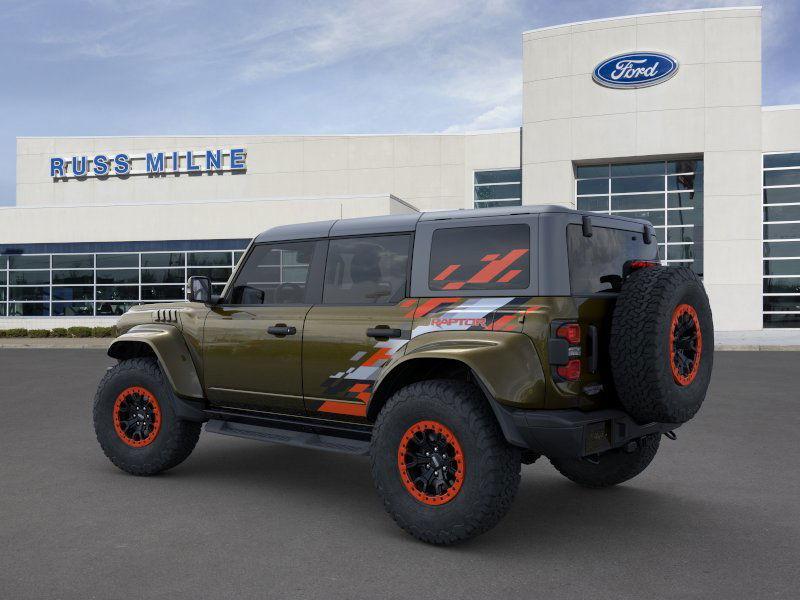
151, 163
635, 70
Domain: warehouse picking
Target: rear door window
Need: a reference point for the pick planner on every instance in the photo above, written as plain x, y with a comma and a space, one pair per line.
491, 257
595, 263
366, 270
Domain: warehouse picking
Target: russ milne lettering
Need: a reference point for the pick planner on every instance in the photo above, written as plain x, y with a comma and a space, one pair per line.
151, 163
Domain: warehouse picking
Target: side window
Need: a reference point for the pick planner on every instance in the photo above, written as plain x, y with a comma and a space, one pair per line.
274, 274
368, 270
490, 257
595, 263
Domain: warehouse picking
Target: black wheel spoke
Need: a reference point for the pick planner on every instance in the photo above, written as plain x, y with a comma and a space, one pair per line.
431, 462
137, 416
428, 477
685, 344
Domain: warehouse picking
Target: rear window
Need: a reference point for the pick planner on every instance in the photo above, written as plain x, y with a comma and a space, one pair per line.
595, 263
492, 257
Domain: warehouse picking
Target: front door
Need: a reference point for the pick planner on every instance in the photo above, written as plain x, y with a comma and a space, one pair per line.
363, 320
253, 339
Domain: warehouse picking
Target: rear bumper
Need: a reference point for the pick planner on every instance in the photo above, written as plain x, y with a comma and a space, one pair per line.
574, 433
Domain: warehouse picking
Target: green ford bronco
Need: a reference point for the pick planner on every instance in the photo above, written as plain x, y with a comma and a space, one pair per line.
450, 347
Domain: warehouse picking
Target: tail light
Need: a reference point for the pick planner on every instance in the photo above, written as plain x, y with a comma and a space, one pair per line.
570, 332
634, 265
564, 350
571, 371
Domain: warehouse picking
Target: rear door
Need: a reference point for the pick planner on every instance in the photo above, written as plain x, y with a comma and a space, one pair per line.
364, 319
253, 338
596, 265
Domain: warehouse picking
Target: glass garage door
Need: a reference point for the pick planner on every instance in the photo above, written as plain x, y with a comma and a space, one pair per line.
669, 194
781, 302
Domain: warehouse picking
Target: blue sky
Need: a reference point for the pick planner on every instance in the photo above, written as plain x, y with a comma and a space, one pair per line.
152, 67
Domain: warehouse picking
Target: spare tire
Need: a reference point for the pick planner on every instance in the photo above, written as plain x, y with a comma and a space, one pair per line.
662, 344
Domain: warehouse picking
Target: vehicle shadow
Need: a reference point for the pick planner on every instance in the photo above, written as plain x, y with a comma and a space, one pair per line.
549, 514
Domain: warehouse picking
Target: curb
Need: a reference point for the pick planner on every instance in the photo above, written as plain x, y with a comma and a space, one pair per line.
56, 343
756, 348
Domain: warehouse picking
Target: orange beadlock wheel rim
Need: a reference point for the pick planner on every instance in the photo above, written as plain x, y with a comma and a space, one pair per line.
137, 416
431, 463
685, 344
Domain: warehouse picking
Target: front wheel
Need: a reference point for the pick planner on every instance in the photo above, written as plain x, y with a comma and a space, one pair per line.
612, 467
135, 421
440, 462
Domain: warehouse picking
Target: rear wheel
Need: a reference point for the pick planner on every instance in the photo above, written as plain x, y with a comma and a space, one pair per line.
440, 462
135, 421
612, 467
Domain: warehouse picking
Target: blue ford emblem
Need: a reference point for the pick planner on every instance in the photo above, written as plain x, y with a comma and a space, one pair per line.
635, 70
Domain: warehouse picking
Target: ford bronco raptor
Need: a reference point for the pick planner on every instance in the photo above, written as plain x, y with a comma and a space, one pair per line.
450, 347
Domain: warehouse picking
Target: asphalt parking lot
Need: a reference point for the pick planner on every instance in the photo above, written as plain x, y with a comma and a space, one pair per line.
717, 515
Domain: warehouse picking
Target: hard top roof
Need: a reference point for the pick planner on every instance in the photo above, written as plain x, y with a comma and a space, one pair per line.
405, 222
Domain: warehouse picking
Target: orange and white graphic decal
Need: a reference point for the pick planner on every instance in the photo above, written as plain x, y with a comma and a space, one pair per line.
496, 270
355, 384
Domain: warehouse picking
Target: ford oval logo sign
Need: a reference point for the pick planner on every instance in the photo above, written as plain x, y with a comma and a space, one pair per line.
635, 70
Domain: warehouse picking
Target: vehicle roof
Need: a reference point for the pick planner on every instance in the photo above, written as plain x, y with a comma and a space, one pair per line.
407, 222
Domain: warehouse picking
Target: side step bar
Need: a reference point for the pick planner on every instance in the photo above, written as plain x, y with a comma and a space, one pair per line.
304, 439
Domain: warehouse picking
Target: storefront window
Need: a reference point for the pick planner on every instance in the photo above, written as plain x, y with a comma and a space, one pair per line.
163, 275
669, 194
110, 261
209, 259
72, 309
501, 187
781, 301
73, 261
105, 284
164, 259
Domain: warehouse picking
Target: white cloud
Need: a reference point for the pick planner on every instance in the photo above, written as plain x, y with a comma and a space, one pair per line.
498, 117
327, 36
490, 90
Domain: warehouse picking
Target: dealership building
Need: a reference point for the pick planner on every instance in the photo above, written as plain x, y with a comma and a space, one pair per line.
651, 116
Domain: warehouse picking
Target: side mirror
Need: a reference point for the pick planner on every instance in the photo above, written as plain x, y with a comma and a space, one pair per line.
199, 289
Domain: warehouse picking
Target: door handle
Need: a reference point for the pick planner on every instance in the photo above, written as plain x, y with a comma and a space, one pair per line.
281, 330
383, 332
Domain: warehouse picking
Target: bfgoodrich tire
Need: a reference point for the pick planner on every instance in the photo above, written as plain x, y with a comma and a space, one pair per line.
612, 467
135, 421
440, 462
662, 345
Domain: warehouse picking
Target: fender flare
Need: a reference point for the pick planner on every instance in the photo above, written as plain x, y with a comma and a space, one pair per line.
479, 356
166, 343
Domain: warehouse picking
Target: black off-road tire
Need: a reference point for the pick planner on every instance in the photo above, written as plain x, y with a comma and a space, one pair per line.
175, 438
646, 376
609, 468
491, 467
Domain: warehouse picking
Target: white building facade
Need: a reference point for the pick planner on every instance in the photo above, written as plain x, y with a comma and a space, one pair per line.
103, 223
